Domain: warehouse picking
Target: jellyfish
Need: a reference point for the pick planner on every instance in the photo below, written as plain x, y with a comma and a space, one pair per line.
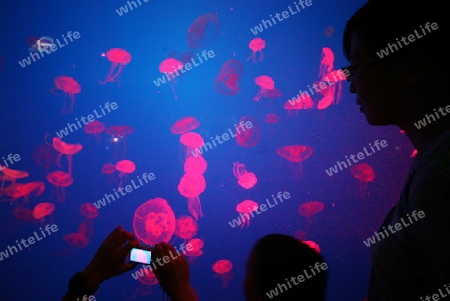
191, 186
23, 190
256, 45
265, 83
94, 128
222, 268
312, 244
117, 57
227, 82
60, 180
271, 118
89, 211
45, 156
69, 87
186, 227
302, 102
332, 93
119, 133
42, 210
184, 125
295, 154
203, 31
196, 165
246, 179
124, 167
21, 216
169, 66
192, 141
364, 173
66, 149
327, 61
308, 210
154, 222
11, 175
109, 169
251, 135
196, 245
75, 241
245, 207
147, 280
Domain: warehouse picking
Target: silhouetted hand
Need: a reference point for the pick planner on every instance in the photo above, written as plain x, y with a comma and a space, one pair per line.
109, 261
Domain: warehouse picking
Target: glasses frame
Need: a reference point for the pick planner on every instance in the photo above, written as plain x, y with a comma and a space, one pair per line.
354, 69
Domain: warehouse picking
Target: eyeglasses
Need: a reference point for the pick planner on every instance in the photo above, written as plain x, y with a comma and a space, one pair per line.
352, 70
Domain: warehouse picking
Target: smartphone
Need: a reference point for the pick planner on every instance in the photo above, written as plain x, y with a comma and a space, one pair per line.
139, 255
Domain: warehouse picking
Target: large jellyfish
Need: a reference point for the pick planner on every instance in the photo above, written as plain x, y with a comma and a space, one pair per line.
66, 149
222, 268
191, 186
203, 31
246, 179
60, 180
227, 82
69, 87
169, 66
256, 45
154, 222
185, 125
118, 57
295, 154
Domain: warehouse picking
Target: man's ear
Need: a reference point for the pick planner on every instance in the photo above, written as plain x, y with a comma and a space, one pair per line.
416, 70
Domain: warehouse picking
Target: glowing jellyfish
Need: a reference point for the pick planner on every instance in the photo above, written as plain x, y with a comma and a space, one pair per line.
147, 280
184, 125
310, 209
332, 93
66, 149
266, 84
196, 165
23, 190
196, 245
313, 245
300, 235
222, 268
42, 210
327, 61
295, 154
203, 31
119, 133
154, 222
192, 141
364, 173
256, 45
11, 175
169, 67
60, 180
124, 167
76, 241
89, 211
246, 179
45, 156
109, 169
186, 227
248, 133
227, 82
302, 102
245, 208
95, 128
69, 87
271, 118
118, 58
191, 186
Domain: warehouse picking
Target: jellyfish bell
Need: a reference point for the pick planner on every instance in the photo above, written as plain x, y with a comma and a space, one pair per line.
118, 58
227, 81
256, 45
295, 155
246, 207
170, 67
186, 227
69, 87
67, 149
191, 186
223, 268
185, 125
60, 180
42, 210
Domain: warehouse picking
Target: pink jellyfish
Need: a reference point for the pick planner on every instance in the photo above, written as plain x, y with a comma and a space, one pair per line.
266, 85
23, 190
245, 179
95, 128
117, 57
69, 87
60, 180
295, 154
245, 208
147, 280
11, 175
313, 245
327, 62
185, 125
186, 227
191, 186
256, 45
76, 241
193, 142
196, 245
124, 167
109, 169
42, 210
271, 118
119, 133
66, 149
364, 173
222, 268
169, 66
310, 209
196, 165
89, 211
332, 93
